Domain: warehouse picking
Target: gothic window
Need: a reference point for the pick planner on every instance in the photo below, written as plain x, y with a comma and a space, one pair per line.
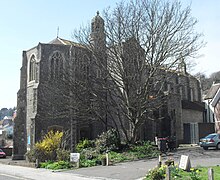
32, 68
56, 66
191, 94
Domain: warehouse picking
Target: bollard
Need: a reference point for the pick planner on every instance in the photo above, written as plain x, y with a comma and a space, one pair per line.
107, 159
160, 160
210, 174
37, 165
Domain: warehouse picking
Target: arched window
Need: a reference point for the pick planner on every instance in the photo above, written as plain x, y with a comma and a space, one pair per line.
32, 68
56, 66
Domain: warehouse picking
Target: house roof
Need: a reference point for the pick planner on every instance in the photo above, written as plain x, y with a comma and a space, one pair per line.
212, 91
216, 98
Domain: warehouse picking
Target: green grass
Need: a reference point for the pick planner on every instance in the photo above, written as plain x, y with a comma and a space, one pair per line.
200, 173
203, 172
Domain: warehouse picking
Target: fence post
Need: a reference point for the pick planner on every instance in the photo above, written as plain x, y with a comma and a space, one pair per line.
210, 174
168, 174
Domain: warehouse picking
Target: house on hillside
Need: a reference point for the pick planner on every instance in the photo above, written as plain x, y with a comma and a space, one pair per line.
6, 131
51, 96
212, 101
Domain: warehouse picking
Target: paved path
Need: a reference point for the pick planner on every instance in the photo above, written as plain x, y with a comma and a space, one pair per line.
138, 169
124, 171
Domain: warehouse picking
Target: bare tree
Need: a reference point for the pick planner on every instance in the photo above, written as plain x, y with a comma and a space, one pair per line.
144, 38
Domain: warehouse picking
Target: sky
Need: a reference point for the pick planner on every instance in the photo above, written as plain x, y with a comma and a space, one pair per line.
25, 23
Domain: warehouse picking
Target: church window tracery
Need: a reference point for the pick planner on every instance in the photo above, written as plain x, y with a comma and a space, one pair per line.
56, 66
32, 68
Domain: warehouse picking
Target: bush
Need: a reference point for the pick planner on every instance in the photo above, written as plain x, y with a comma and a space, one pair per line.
157, 173
144, 149
34, 154
63, 155
87, 162
45, 164
118, 157
56, 165
83, 145
50, 143
47, 148
89, 153
176, 173
107, 141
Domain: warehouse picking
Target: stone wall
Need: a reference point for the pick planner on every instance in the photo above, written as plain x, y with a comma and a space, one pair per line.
31, 95
192, 116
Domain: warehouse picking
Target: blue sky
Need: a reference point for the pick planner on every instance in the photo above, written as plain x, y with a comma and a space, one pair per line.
25, 23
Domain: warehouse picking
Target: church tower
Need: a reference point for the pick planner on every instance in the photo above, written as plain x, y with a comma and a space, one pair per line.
98, 37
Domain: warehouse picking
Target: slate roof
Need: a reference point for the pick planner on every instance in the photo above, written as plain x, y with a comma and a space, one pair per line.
212, 91
198, 106
65, 42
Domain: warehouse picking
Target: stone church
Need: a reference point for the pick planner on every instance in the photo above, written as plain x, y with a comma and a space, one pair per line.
47, 97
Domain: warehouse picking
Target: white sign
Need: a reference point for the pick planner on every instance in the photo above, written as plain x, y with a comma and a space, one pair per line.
184, 163
74, 157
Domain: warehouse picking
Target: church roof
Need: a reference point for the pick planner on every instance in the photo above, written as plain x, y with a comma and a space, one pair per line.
65, 42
